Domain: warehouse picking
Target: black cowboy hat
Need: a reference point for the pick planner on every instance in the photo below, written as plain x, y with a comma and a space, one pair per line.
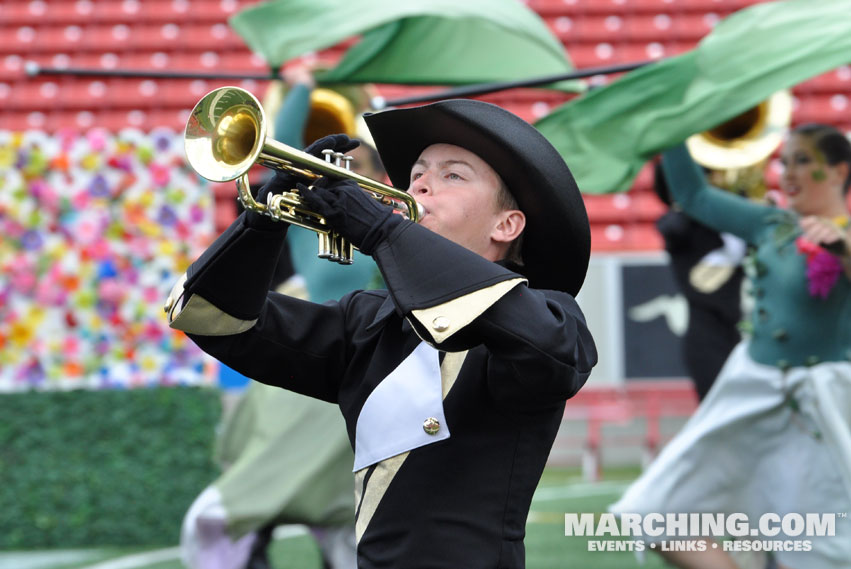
557, 238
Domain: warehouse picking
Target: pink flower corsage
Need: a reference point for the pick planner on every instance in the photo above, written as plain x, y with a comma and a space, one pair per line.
823, 269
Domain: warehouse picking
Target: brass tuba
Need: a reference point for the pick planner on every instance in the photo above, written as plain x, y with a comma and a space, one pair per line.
736, 151
225, 137
330, 113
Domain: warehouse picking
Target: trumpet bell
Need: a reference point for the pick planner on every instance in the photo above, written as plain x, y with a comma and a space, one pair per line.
224, 134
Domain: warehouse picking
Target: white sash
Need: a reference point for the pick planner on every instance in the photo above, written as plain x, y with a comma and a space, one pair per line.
391, 420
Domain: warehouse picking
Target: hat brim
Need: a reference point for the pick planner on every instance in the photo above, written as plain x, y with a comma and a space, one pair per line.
557, 238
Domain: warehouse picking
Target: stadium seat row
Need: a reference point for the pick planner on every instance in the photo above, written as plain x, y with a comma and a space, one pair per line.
84, 12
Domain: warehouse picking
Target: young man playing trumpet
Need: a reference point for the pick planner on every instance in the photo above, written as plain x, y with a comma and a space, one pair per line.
452, 381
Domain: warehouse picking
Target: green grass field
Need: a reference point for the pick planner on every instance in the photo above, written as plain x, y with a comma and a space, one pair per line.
560, 491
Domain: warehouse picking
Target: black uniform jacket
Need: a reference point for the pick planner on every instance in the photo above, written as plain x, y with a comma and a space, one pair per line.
452, 383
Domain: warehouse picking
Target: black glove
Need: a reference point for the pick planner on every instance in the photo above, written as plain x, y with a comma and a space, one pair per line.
350, 212
284, 181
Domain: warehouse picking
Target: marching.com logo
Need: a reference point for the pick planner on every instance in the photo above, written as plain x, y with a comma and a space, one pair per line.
688, 531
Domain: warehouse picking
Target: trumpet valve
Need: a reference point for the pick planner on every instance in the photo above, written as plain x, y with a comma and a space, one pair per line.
336, 248
324, 246
347, 253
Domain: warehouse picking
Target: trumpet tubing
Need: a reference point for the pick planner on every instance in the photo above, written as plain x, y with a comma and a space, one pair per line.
225, 137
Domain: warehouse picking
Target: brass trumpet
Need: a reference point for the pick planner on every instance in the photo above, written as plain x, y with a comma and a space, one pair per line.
225, 137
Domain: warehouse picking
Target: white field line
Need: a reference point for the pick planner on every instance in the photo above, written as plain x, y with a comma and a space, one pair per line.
44, 559
139, 559
171, 553
579, 490
573, 490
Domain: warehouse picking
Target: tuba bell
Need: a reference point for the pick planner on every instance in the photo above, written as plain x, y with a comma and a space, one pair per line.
333, 109
225, 137
735, 152
330, 113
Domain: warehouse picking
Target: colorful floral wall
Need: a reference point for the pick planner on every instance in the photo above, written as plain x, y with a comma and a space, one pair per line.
95, 228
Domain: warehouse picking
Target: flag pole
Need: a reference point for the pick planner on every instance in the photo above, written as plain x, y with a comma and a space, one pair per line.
33, 70
485, 88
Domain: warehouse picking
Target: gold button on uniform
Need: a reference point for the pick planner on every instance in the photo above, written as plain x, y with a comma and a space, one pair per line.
431, 426
440, 324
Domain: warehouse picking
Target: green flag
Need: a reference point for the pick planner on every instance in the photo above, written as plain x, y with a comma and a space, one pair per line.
607, 135
428, 42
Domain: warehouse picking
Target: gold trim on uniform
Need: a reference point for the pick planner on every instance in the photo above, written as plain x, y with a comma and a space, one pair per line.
201, 317
385, 470
445, 319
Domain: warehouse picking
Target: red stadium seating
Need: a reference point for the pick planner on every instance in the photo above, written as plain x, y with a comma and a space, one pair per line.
640, 405
836, 81
166, 35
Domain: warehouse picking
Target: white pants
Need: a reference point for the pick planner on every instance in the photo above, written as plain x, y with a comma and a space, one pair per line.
205, 543
762, 441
